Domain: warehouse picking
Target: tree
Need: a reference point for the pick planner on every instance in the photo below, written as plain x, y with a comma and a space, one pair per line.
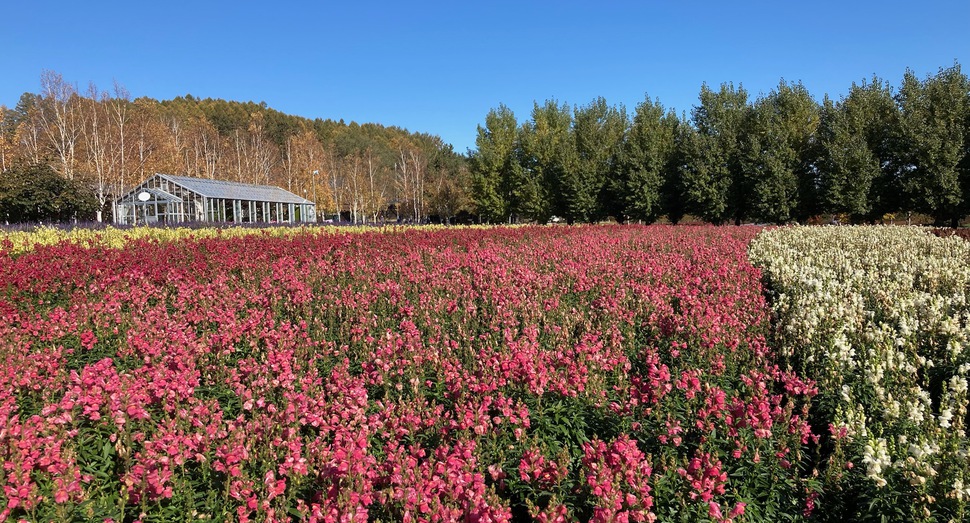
448, 186
848, 167
800, 117
98, 160
767, 166
859, 140
35, 192
118, 109
672, 192
21, 113
705, 180
411, 169
495, 163
147, 138
714, 182
24, 122
208, 146
60, 119
262, 156
964, 166
335, 180
546, 154
7, 137
647, 162
778, 155
598, 132
303, 161
933, 118
378, 186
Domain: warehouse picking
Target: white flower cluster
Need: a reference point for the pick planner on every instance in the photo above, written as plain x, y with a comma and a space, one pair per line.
880, 318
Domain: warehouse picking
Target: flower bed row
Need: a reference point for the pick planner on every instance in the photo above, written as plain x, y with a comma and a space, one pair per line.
879, 317
16, 242
551, 374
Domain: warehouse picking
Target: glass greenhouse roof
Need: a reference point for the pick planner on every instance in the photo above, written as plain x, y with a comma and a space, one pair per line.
161, 195
235, 190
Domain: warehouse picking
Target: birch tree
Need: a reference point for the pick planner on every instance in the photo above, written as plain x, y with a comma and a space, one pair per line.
376, 185
335, 179
97, 139
60, 120
262, 156
7, 132
119, 110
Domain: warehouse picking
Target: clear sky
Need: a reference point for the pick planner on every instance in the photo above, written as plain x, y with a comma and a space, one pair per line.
438, 67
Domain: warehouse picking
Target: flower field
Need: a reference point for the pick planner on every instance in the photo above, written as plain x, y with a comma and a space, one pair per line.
591, 373
610, 373
879, 317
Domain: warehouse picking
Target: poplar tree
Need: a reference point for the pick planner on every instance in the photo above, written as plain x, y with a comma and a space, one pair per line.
494, 164
647, 164
547, 153
778, 157
859, 164
598, 133
713, 177
933, 122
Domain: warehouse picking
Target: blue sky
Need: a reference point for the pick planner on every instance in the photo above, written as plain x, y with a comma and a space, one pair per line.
438, 67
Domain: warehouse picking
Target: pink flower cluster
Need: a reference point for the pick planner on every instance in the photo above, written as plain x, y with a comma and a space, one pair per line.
606, 373
618, 476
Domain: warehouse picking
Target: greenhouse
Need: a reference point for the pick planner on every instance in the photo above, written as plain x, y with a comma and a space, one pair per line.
165, 198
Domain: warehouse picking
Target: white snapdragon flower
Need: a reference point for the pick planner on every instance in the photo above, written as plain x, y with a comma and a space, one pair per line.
846, 393
914, 411
945, 416
958, 385
960, 491
893, 408
876, 457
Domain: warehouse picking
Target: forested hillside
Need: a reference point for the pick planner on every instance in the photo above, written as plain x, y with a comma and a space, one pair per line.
108, 141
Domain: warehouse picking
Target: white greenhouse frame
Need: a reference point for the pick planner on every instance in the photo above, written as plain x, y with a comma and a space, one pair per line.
165, 198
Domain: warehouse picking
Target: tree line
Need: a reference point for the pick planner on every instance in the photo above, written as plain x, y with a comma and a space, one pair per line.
876, 153
102, 143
